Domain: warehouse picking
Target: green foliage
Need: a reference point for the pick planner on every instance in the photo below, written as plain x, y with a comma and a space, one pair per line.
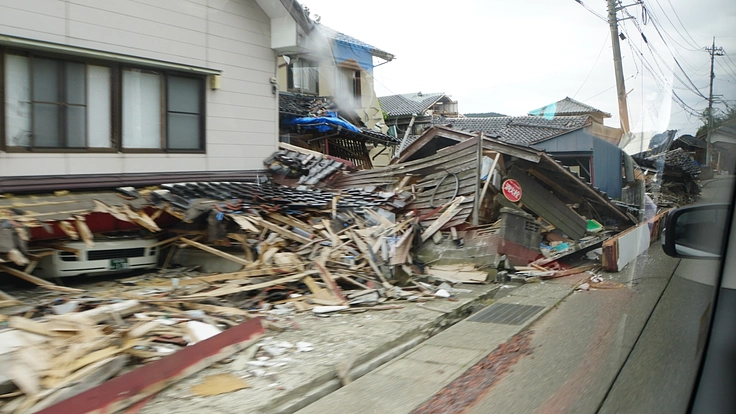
718, 120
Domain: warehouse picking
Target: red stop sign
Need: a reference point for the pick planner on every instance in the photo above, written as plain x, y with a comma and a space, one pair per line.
512, 190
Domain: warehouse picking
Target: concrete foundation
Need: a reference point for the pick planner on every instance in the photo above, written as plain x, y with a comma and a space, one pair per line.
479, 247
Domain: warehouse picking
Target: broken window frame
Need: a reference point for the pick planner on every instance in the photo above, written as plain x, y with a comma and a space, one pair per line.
113, 96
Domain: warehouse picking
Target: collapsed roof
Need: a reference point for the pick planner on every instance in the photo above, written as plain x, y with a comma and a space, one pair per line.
520, 130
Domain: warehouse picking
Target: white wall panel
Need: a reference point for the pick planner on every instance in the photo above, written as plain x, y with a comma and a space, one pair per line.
229, 35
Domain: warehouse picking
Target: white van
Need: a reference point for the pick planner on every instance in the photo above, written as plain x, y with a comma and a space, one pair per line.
107, 256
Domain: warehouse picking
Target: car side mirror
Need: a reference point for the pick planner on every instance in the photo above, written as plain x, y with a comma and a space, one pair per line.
697, 232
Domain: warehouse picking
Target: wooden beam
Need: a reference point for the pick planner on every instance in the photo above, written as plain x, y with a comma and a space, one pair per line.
291, 221
330, 282
243, 274
235, 289
282, 231
478, 169
165, 241
38, 281
446, 216
216, 252
479, 202
369, 257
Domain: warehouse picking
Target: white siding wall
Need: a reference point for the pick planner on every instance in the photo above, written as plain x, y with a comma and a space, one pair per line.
230, 35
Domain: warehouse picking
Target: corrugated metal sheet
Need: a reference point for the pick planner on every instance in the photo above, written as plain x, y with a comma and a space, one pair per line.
606, 158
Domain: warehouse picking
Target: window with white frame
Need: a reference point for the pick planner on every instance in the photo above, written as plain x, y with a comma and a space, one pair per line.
303, 76
54, 103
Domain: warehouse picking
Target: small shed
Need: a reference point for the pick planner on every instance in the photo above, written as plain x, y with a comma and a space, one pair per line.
591, 158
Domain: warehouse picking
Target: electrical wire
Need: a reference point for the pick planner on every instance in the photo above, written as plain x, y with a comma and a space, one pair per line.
595, 13
729, 59
605, 42
695, 89
694, 44
605, 90
726, 69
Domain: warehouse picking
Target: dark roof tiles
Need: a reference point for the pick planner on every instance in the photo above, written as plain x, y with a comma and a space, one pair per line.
523, 130
408, 103
567, 107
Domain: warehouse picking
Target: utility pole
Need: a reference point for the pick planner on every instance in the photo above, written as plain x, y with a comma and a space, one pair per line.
623, 110
713, 51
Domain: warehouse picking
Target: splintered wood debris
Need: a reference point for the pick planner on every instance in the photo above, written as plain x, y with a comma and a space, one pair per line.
320, 263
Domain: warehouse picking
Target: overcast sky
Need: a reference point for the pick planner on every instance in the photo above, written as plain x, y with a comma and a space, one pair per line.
515, 56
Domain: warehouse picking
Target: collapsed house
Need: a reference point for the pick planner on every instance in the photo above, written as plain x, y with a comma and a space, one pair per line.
445, 165
318, 124
316, 234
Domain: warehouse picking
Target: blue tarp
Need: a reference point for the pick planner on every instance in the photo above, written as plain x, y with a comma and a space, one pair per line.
344, 51
322, 124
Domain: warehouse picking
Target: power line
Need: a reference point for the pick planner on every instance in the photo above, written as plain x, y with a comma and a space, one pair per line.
694, 44
726, 69
729, 61
681, 24
595, 13
654, 52
605, 42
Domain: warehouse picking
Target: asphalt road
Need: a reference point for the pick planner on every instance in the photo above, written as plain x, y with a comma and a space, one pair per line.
633, 349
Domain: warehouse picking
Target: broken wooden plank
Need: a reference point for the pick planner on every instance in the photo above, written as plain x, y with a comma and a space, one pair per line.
291, 221
446, 216
488, 179
401, 251
120, 392
8, 300
573, 271
38, 281
282, 231
84, 232
244, 223
68, 229
235, 289
165, 241
330, 282
216, 252
83, 379
263, 271
370, 258
101, 313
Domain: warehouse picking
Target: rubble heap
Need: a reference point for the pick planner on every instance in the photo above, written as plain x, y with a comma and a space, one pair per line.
679, 175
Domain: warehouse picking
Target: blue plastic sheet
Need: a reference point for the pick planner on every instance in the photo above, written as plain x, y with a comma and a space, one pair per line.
322, 124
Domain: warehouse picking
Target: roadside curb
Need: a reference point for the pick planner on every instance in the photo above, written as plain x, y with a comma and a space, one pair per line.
461, 338
320, 387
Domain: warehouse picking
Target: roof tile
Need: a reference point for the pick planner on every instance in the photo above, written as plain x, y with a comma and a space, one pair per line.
523, 130
409, 103
567, 107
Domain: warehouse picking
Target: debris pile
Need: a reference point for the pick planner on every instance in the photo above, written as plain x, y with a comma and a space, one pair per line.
62, 347
675, 183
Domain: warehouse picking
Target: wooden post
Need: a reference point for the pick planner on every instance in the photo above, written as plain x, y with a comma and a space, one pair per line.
488, 180
479, 167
